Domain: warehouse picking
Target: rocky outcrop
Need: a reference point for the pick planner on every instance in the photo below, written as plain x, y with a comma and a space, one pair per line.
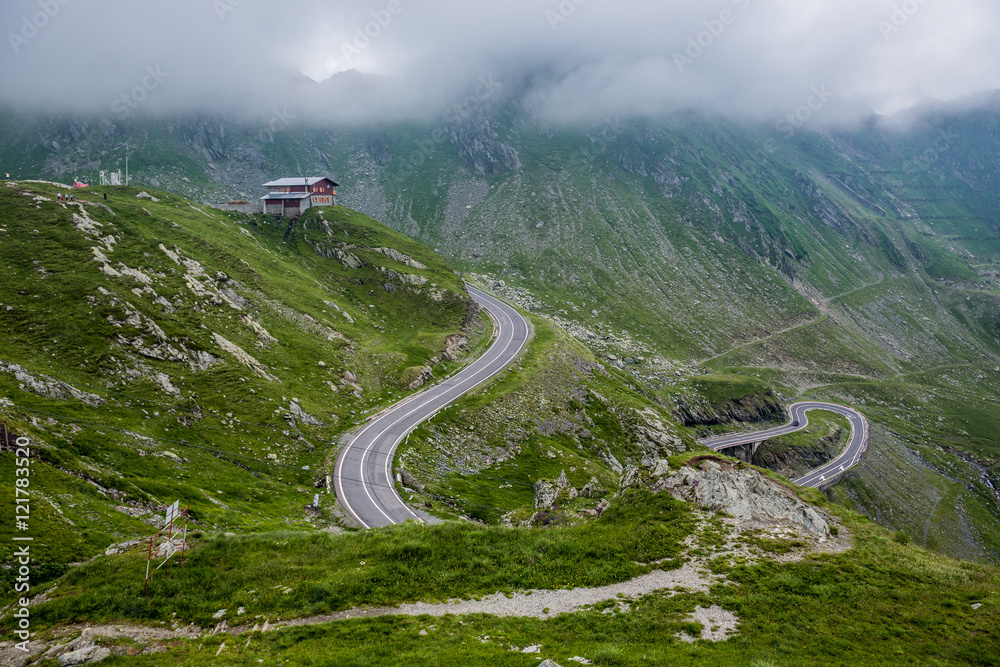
592, 489
337, 308
656, 438
296, 413
397, 256
405, 278
548, 492
453, 346
49, 387
244, 358
264, 337
348, 259
752, 499
426, 375
482, 148
84, 656
752, 409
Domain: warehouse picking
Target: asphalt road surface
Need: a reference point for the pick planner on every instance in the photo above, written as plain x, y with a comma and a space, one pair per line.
847, 459
363, 474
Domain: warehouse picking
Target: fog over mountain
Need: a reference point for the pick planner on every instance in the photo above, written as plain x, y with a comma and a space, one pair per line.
585, 59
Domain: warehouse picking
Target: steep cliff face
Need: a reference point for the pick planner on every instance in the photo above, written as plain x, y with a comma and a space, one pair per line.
795, 461
755, 408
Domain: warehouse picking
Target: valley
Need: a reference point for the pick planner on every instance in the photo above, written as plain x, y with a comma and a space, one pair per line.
683, 279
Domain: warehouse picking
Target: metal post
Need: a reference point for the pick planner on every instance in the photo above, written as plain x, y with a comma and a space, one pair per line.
187, 512
149, 557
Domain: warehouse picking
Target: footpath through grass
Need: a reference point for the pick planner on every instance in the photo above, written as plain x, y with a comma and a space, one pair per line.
882, 603
295, 574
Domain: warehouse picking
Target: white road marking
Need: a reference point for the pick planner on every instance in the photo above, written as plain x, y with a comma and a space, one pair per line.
430, 396
800, 412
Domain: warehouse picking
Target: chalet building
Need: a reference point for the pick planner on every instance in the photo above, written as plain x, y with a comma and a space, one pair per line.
292, 196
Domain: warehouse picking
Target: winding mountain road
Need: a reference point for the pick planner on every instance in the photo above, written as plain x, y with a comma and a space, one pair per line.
363, 474
847, 459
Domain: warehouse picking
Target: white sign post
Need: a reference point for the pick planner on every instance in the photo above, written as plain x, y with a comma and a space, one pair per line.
172, 512
168, 549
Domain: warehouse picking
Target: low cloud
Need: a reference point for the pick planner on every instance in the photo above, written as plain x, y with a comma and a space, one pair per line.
572, 60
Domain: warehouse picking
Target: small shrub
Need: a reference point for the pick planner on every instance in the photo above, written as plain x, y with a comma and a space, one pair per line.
692, 629
610, 655
901, 537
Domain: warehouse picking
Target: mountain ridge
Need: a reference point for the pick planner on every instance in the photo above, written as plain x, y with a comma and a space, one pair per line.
838, 264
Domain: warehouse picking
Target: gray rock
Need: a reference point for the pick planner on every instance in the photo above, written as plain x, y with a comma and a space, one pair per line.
397, 256
301, 415
122, 547
50, 387
84, 656
410, 481
548, 492
547, 663
592, 489
348, 259
453, 346
754, 500
425, 376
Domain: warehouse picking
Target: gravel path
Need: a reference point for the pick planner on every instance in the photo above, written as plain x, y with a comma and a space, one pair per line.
545, 604
534, 603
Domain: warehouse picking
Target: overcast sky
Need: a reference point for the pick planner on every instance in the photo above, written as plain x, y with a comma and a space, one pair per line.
590, 58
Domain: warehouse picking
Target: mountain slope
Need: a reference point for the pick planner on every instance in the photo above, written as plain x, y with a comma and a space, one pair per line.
822, 263
156, 350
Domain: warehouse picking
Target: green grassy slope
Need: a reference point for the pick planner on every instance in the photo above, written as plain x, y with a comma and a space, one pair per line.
557, 410
113, 344
864, 256
882, 602
156, 350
